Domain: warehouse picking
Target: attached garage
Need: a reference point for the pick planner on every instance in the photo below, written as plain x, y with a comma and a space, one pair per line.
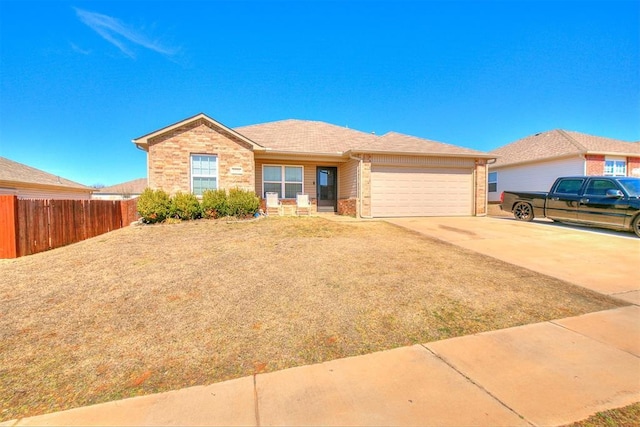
418, 191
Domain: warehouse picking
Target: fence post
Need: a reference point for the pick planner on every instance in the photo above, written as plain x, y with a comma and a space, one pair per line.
8, 226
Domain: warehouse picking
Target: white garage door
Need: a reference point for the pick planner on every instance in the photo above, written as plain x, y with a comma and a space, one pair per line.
400, 191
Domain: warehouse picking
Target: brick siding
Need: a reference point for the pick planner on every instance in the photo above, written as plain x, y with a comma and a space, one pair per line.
633, 166
347, 207
170, 158
595, 164
365, 193
481, 188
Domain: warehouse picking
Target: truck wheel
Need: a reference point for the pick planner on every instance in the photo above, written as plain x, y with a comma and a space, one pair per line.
523, 211
635, 225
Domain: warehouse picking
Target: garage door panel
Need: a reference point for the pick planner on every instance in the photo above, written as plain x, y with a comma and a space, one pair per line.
398, 191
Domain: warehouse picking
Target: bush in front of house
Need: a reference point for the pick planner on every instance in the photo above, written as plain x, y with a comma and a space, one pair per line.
215, 204
242, 203
157, 206
185, 206
153, 205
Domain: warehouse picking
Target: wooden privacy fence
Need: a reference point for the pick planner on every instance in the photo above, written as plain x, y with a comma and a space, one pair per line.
31, 226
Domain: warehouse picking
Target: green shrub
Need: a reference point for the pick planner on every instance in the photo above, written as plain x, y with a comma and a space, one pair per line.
157, 206
242, 203
185, 206
153, 205
215, 204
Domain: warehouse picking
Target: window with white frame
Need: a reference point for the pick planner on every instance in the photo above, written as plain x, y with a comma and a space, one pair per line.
493, 182
204, 173
615, 166
284, 180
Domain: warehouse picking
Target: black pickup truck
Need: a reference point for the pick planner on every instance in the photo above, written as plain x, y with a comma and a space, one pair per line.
601, 201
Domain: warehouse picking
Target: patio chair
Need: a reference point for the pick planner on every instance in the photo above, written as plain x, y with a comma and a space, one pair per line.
302, 204
273, 204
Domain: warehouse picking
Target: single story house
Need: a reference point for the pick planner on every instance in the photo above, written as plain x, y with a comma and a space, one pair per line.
533, 163
123, 191
27, 182
341, 169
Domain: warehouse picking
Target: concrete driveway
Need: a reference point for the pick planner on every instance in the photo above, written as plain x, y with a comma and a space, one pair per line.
606, 262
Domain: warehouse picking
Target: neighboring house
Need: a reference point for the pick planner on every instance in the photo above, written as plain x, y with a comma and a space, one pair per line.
31, 183
342, 170
123, 191
533, 163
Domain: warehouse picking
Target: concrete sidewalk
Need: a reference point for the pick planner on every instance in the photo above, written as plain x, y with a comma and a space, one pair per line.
549, 373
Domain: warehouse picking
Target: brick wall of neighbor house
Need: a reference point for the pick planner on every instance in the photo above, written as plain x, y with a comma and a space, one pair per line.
595, 164
633, 166
481, 187
170, 158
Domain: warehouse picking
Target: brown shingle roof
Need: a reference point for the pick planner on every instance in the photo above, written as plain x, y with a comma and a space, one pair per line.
560, 143
11, 171
302, 136
305, 137
135, 186
400, 143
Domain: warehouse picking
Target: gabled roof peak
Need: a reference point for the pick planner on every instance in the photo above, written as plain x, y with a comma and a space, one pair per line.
143, 141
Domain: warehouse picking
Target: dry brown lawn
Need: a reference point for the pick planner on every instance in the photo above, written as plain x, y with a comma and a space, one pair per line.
628, 416
155, 308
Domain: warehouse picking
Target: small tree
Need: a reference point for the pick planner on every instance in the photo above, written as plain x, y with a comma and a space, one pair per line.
153, 205
185, 206
215, 203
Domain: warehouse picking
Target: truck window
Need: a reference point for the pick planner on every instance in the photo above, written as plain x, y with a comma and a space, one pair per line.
632, 185
569, 186
599, 187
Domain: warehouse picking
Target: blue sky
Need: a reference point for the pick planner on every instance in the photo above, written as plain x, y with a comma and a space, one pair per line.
80, 80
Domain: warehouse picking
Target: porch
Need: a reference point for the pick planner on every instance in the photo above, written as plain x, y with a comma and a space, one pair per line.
289, 207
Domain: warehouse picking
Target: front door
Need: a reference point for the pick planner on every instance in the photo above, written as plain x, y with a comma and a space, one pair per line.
327, 188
